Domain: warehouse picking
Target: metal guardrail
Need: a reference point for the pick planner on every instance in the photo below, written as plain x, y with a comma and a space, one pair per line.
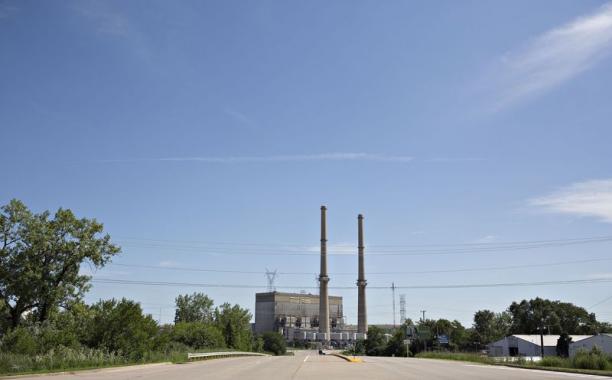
217, 355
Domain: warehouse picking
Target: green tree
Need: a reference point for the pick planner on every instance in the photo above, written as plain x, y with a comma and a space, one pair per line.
489, 326
274, 342
196, 307
198, 335
396, 345
555, 317
359, 347
40, 258
376, 342
563, 344
235, 325
459, 337
120, 326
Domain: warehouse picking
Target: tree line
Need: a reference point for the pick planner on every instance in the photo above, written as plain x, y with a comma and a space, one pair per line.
42, 311
42, 308
533, 316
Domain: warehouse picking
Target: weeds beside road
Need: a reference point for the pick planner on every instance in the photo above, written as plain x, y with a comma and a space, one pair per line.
592, 362
63, 359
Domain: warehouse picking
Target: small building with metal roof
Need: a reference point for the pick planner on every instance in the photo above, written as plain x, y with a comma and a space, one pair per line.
528, 345
601, 341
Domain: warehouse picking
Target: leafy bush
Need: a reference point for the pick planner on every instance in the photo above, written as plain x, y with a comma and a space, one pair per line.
20, 340
274, 342
38, 338
198, 335
120, 326
376, 342
594, 359
396, 345
359, 348
258, 343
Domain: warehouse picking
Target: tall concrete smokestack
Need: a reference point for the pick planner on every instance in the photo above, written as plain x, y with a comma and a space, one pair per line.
362, 316
323, 280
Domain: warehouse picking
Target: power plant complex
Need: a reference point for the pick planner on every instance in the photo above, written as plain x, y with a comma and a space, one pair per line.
315, 318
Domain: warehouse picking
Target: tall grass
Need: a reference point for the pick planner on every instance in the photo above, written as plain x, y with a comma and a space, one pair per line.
63, 358
555, 361
461, 356
594, 359
58, 359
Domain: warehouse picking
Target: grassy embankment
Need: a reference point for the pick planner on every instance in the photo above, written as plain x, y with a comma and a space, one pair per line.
67, 359
594, 362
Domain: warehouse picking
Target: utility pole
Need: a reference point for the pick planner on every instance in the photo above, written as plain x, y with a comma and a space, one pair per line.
393, 293
542, 337
402, 309
424, 340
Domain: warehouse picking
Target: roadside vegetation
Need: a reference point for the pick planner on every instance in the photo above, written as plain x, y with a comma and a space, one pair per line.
450, 340
445, 337
46, 326
590, 362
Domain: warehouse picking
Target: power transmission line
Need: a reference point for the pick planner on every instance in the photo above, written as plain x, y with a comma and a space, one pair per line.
600, 302
267, 245
377, 253
448, 286
458, 270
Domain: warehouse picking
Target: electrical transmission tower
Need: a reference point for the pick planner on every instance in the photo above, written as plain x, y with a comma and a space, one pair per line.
402, 309
271, 276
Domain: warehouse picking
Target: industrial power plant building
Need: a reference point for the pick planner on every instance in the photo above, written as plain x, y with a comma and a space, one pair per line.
308, 317
296, 316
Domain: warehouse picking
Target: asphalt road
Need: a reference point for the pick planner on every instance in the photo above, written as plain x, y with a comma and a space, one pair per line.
310, 365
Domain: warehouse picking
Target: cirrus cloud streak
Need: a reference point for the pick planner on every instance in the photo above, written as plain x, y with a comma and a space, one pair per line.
589, 198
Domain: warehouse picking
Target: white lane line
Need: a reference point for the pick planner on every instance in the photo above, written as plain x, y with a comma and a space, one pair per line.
306, 358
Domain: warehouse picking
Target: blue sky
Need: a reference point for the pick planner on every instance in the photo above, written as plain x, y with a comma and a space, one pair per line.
218, 129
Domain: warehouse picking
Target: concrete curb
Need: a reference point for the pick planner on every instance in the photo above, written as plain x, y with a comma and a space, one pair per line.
348, 358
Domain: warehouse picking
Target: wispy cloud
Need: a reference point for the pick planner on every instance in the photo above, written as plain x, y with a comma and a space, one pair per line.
103, 18
168, 264
277, 158
590, 198
111, 21
486, 239
239, 117
551, 59
453, 159
336, 248
7, 9
599, 275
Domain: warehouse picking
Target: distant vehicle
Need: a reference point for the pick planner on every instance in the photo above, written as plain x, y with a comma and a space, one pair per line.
321, 352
